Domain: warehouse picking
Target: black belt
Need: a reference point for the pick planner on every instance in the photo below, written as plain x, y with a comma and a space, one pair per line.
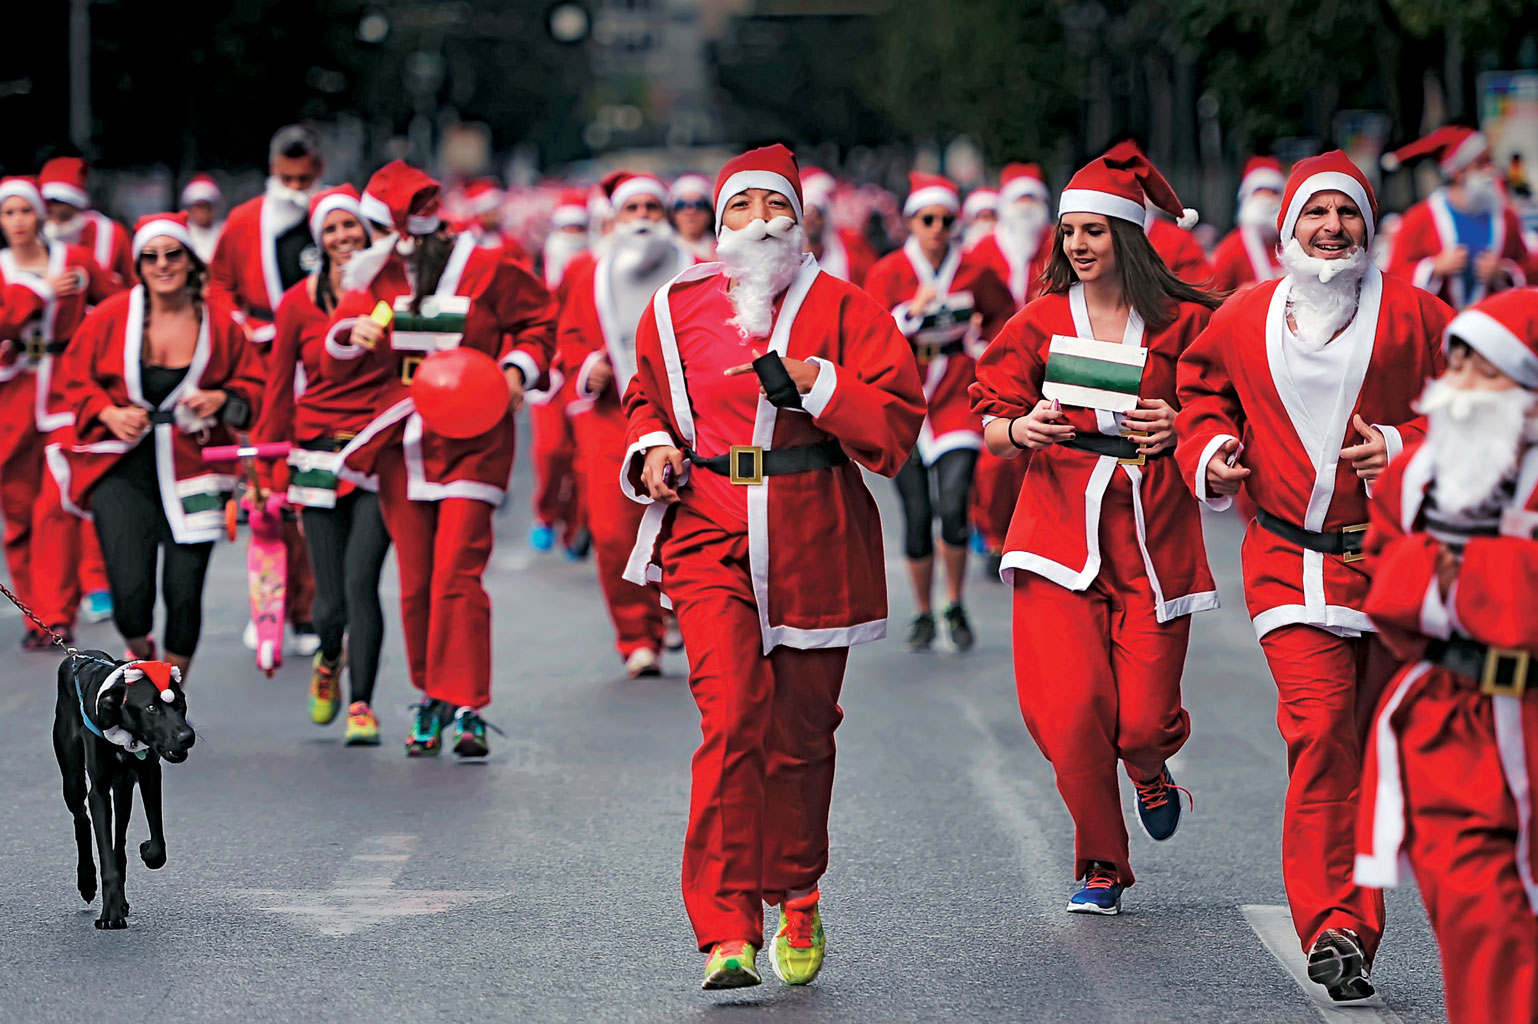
36, 348
749, 464
1123, 449
327, 444
260, 314
934, 349
1499, 671
163, 415
1347, 543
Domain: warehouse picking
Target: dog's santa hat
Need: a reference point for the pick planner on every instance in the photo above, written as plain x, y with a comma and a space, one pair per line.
1120, 184
159, 674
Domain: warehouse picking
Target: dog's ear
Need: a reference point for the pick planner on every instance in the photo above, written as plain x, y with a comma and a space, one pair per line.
109, 706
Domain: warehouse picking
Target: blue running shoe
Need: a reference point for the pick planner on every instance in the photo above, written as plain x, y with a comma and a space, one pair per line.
98, 606
541, 537
979, 543
1100, 893
1158, 805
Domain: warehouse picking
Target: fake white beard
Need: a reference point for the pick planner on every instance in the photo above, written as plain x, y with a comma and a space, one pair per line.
67, 232
761, 260
1476, 440
1260, 213
1480, 192
287, 206
1324, 293
977, 231
1021, 226
560, 248
640, 246
365, 264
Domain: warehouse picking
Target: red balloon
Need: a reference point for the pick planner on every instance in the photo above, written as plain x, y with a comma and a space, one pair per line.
460, 392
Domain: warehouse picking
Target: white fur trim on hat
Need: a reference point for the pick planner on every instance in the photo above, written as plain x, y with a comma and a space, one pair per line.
931, 195
979, 200
329, 205
159, 229
1187, 219
484, 202
640, 185
63, 192
1025, 185
1327, 181
1262, 177
20, 188
1469, 150
1495, 341
201, 190
689, 185
744, 180
1106, 204
375, 210
569, 217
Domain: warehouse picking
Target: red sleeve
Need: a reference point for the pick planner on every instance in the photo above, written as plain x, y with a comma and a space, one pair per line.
1402, 566
1493, 593
340, 358
18, 304
100, 285
526, 313
993, 301
1209, 407
76, 379
277, 419
646, 422
223, 280
1010, 372
575, 336
245, 363
1434, 316
123, 257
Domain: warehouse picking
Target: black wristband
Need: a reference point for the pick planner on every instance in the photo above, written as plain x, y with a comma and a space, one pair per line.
1009, 432
778, 387
236, 411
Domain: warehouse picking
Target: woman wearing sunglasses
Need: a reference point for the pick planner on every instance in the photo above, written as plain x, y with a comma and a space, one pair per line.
694, 219
1105, 551
153, 375
946, 302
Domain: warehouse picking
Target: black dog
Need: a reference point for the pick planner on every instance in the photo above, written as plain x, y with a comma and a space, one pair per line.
113, 723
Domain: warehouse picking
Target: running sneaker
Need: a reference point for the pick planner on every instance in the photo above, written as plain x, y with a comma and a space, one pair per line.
921, 632
642, 663
979, 543
799, 946
362, 726
303, 639
470, 733
581, 545
1100, 893
541, 537
1158, 805
35, 640
325, 690
98, 606
426, 736
959, 627
732, 964
1338, 961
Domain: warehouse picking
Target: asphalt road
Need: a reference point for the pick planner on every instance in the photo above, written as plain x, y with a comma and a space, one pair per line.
308, 881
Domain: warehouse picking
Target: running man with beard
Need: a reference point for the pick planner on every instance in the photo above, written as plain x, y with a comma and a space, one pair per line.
1447, 777
1302, 390
1248, 254
763, 535
72, 221
603, 301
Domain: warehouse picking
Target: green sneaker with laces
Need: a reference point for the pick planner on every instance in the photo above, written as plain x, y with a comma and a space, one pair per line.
469, 734
731, 964
799, 946
426, 736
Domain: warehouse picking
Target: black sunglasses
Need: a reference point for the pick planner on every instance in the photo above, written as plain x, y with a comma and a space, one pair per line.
171, 256
702, 205
946, 220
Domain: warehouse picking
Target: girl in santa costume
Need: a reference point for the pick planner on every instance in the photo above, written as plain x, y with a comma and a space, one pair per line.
152, 376
318, 414
45, 289
436, 493
762, 384
939, 296
1105, 551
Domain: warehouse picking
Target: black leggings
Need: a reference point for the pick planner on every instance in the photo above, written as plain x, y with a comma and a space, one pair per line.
348, 545
132, 527
953, 482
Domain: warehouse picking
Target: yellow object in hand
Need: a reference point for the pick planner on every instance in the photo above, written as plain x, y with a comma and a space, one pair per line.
382, 314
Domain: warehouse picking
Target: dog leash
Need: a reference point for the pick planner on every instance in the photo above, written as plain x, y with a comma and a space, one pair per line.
57, 639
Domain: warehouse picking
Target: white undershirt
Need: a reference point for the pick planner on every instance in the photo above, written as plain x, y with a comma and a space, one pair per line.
1317, 373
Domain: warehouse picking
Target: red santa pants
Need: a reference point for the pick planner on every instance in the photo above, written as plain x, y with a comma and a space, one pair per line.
61, 542
762, 777
21, 479
995, 490
1327, 687
613, 520
557, 497
441, 549
1099, 682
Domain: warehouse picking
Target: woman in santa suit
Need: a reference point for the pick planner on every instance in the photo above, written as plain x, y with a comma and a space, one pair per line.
436, 493
152, 376
45, 288
934, 288
1105, 550
318, 414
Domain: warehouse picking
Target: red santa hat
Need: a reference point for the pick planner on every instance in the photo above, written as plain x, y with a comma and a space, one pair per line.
570, 210
201, 189
323, 204
483, 195
689, 186
1332, 171
160, 225
771, 167
63, 179
1503, 329
1454, 146
22, 188
598, 206
980, 200
402, 197
930, 190
623, 186
817, 188
1119, 184
1020, 180
1261, 172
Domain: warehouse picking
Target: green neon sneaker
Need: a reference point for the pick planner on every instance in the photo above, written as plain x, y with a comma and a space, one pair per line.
799, 945
470, 733
325, 690
732, 964
426, 736
362, 726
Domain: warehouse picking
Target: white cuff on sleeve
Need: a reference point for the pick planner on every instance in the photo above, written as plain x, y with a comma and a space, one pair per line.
816, 400
336, 347
585, 370
1436, 620
1391, 438
909, 325
525, 364
1221, 503
264, 334
1424, 274
642, 445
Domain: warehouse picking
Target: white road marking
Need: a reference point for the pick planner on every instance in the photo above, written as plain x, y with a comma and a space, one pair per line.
364, 892
1274, 926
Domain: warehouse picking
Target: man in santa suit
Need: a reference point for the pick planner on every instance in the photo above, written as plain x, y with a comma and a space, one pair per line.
1448, 774
1248, 254
567, 238
604, 300
483, 204
693, 218
200, 198
72, 221
948, 304
979, 215
762, 386
842, 252
1301, 389
1464, 241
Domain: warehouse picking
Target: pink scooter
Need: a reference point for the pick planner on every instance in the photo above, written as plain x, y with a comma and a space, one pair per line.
266, 556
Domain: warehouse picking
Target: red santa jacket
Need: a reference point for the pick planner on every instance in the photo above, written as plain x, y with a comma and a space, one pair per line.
1056, 528
892, 282
35, 327
1023, 279
1180, 251
1235, 383
818, 568
244, 273
101, 369
1427, 231
1491, 602
846, 255
1244, 258
511, 318
109, 244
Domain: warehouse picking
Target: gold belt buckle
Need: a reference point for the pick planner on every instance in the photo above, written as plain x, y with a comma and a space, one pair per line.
750, 456
1505, 673
409, 369
926, 351
1353, 556
36, 348
1136, 460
